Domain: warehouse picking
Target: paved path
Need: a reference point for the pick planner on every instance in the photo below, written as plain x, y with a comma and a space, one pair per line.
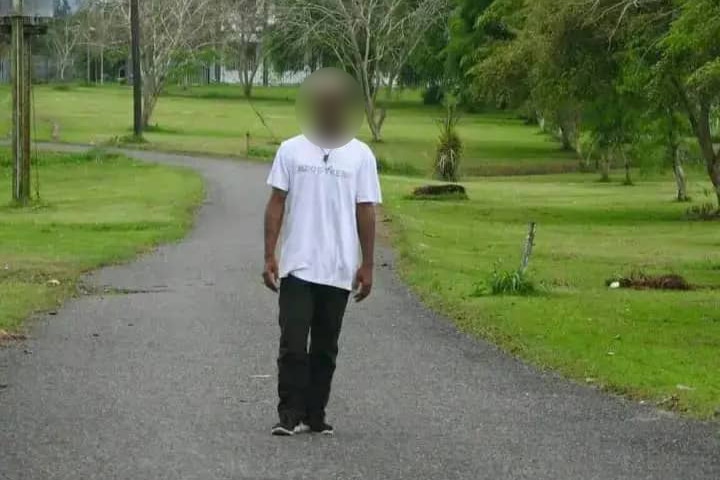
177, 382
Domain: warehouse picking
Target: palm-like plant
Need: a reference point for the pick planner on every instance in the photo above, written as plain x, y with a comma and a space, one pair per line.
450, 146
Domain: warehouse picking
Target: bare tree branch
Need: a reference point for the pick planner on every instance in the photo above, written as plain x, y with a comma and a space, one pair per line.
168, 27
373, 39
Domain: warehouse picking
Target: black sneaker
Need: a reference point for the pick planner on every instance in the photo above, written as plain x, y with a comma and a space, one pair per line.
283, 429
319, 426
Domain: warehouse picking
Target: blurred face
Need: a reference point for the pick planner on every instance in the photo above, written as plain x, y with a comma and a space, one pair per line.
330, 108
329, 111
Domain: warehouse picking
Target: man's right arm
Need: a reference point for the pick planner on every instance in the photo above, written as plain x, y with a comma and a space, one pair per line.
273, 222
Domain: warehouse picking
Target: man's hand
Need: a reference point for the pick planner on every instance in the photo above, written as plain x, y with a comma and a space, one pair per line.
270, 274
273, 222
363, 282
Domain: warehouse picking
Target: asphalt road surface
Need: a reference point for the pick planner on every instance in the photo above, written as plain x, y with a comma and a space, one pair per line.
175, 379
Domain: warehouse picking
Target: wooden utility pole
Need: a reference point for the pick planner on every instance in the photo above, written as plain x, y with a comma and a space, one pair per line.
21, 19
21, 107
137, 73
529, 244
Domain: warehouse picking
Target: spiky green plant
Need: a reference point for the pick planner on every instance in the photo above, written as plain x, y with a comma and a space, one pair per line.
450, 146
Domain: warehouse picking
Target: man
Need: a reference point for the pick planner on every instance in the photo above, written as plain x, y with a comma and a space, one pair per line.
324, 191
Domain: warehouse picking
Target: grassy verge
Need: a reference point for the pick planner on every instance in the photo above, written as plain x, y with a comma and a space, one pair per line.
215, 120
654, 345
95, 210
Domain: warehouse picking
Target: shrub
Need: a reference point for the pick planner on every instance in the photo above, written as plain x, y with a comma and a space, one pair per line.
512, 282
506, 282
450, 147
705, 211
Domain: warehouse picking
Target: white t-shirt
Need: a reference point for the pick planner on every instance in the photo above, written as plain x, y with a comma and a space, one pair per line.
320, 241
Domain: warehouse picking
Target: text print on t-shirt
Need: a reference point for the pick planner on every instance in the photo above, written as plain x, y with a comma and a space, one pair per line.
322, 170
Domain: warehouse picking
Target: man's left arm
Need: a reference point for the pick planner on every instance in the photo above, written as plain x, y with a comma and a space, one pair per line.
366, 233
368, 195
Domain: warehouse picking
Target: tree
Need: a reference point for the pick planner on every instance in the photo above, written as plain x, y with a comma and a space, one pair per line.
502, 74
426, 67
101, 33
243, 25
692, 59
663, 126
465, 43
167, 27
681, 48
289, 56
373, 39
542, 57
63, 37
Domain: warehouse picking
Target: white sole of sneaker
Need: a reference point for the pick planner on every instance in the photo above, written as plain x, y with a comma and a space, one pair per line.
282, 432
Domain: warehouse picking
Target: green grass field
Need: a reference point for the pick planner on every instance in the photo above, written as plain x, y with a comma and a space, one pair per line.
215, 120
641, 343
95, 210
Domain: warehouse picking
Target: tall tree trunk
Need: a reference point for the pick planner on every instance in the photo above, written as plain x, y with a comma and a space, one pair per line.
262, 57
566, 138
247, 75
626, 162
700, 120
370, 115
605, 168
714, 171
102, 65
541, 121
679, 172
587, 159
87, 59
375, 119
568, 125
150, 96
247, 80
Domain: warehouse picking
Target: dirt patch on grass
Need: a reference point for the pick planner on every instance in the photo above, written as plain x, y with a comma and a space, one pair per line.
641, 281
439, 192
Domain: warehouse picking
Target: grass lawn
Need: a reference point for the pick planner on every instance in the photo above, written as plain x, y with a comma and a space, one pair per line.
95, 210
641, 343
215, 120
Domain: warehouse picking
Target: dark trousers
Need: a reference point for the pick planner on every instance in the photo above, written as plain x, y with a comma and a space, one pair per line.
304, 377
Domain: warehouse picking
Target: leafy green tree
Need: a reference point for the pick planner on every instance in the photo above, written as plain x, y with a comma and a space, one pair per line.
663, 124
691, 59
464, 43
501, 75
544, 57
678, 43
427, 66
